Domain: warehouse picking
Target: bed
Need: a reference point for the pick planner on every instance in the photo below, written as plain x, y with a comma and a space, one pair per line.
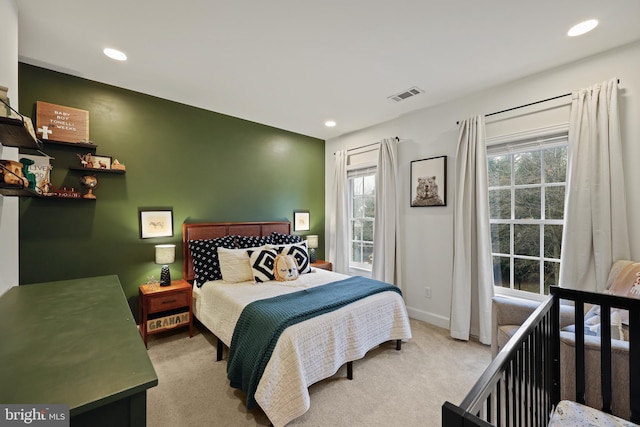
523, 384
306, 352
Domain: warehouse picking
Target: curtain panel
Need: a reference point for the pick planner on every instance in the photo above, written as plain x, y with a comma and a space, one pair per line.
386, 224
596, 230
472, 288
339, 222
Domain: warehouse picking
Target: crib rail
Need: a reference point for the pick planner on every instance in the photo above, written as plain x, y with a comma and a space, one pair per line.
517, 388
606, 302
521, 386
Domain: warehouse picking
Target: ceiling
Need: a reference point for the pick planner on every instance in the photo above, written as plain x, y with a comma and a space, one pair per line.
294, 64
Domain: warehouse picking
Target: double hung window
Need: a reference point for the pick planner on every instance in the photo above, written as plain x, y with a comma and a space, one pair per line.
527, 182
362, 206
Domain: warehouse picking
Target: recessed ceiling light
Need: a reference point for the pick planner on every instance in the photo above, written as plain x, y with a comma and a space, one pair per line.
582, 28
329, 123
115, 54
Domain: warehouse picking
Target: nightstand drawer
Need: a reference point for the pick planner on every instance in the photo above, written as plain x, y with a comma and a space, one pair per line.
168, 302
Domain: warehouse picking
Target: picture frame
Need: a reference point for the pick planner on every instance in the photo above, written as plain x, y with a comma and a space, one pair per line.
301, 221
428, 182
155, 222
102, 162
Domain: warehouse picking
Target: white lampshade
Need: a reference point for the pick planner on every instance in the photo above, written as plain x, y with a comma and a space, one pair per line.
165, 254
312, 241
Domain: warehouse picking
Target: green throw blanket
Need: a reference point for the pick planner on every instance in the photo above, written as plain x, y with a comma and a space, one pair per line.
261, 323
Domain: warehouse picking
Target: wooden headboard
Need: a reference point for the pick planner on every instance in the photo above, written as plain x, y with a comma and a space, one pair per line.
212, 230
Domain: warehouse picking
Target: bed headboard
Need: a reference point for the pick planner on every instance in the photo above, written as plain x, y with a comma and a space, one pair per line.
212, 230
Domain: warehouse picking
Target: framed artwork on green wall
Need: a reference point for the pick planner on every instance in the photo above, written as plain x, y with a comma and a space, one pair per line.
156, 223
301, 221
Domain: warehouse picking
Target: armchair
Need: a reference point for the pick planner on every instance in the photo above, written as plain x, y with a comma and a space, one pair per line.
509, 313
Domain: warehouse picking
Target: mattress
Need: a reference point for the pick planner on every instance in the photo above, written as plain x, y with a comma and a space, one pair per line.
309, 351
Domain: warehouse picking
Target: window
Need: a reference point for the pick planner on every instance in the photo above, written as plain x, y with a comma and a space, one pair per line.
362, 206
526, 203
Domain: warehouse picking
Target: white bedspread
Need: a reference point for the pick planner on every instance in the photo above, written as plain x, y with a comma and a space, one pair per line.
309, 351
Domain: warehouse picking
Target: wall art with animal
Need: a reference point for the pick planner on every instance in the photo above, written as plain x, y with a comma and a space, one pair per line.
429, 182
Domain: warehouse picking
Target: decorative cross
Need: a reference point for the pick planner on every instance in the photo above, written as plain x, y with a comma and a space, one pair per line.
45, 132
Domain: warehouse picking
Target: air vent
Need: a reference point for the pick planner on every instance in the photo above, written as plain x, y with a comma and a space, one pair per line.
406, 94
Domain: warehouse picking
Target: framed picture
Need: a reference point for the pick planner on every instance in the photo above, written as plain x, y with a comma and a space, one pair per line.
101, 162
429, 182
301, 221
156, 223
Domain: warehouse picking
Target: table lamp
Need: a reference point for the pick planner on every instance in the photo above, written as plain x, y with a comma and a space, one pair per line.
165, 254
312, 243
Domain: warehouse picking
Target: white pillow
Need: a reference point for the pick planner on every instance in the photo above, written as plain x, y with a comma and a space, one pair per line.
235, 265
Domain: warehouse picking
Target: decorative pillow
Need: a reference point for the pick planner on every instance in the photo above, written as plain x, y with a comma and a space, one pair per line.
300, 254
626, 284
234, 265
284, 239
262, 264
247, 242
206, 264
286, 268
592, 324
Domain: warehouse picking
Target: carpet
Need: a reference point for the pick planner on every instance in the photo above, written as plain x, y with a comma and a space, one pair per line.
390, 388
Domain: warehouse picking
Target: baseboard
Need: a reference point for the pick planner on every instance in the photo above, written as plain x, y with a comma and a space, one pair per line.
428, 317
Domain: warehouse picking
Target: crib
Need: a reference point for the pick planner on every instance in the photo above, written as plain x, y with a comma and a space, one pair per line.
521, 386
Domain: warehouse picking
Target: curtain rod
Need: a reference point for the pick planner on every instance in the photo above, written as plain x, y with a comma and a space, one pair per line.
527, 105
367, 145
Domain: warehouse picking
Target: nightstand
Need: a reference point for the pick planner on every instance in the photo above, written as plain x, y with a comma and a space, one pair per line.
324, 265
161, 308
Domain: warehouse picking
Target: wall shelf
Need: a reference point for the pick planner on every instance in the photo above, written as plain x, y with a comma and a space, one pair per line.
17, 190
101, 170
13, 133
71, 144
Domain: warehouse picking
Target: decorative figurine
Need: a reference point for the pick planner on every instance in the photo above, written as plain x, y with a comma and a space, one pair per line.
45, 185
30, 176
5, 111
117, 165
13, 173
86, 160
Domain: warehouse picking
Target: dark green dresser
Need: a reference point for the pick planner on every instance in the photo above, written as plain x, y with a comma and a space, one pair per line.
75, 342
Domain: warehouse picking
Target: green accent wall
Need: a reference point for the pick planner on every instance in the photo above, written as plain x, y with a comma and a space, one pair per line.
204, 165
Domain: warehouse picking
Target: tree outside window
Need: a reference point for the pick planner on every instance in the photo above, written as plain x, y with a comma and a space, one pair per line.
526, 203
362, 214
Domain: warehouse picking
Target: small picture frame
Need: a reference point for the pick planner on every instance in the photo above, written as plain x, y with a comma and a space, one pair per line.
301, 221
429, 182
156, 222
101, 162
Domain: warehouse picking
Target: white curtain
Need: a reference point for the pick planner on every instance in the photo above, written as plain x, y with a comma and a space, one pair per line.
595, 231
339, 222
472, 266
385, 248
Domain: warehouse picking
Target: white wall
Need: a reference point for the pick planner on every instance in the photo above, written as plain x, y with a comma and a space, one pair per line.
9, 205
428, 232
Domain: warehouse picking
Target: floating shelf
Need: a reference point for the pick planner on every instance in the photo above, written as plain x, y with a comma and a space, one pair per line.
68, 198
13, 133
80, 168
71, 144
17, 190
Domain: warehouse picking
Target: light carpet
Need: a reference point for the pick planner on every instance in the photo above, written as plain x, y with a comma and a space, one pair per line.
390, 388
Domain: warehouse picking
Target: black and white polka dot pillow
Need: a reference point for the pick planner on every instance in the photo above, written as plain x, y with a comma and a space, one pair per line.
284, 239
204, 254
246, 242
